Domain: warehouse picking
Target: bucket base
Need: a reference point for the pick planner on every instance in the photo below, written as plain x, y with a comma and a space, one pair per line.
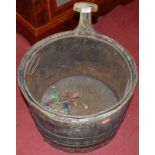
86, 96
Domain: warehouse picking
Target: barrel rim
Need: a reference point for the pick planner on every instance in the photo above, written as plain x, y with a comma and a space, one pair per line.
90, 35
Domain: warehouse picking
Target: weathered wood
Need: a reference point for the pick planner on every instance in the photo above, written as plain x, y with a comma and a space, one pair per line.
86, 53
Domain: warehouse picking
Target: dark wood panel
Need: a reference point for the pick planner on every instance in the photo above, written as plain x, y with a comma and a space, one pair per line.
25, 9
36, 12
41, 10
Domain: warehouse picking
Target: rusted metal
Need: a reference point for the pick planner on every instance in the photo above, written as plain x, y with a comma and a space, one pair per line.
86, 55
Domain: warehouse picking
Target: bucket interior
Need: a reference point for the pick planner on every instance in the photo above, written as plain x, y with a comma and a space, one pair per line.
77, 76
